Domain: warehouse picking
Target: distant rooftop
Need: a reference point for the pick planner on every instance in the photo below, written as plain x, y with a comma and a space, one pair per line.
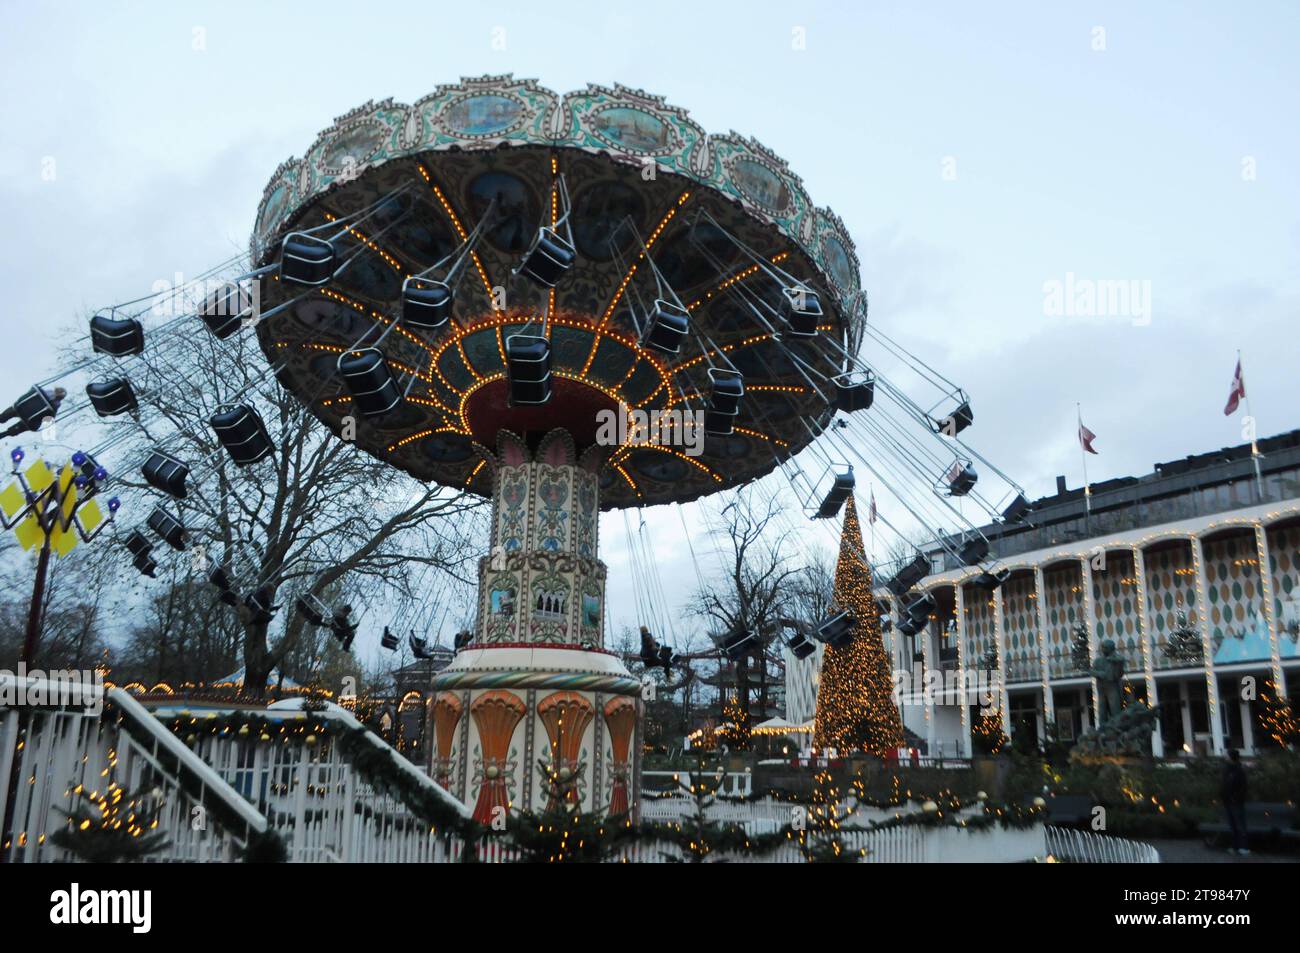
1198, 485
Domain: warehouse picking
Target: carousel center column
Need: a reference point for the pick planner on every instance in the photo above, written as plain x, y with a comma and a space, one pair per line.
534, 714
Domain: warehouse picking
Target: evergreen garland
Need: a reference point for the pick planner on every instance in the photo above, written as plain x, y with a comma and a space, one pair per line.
573, 837
117, 826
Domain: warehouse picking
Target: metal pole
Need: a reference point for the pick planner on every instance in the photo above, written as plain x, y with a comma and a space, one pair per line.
1254, 433
35, 613
1083, 456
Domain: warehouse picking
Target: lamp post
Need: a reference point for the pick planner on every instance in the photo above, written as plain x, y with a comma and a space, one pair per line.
54, 512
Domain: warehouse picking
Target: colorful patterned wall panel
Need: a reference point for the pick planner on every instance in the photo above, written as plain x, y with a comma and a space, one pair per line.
566, 716
542, 583
495, 713
1233, 594
447, 709
620, 716
1170, 588
1115, 607
1284, 563
1020, 629
977, 627
1063, 610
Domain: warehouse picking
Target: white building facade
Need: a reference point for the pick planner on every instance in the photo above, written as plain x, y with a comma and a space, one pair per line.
1193, 572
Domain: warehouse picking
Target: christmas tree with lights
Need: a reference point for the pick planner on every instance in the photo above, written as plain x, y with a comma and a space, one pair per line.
855, 699
115, 826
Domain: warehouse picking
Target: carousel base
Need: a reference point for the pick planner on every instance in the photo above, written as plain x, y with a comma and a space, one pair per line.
537, 728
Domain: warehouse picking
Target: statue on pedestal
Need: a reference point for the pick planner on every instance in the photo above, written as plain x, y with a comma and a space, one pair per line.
1122, 731
1108, 670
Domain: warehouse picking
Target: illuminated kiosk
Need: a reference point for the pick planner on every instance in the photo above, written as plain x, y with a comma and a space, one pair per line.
469, 282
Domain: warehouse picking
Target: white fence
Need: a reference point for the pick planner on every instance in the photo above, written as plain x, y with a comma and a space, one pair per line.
67, 748
313, 796
895, 845
1085, 847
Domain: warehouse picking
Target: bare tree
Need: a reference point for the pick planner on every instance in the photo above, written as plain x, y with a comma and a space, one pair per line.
754, 591
315, 514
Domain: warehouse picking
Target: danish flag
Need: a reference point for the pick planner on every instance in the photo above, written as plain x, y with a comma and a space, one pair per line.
1238, 392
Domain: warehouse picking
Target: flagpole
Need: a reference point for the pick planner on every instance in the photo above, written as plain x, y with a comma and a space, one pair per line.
1083, 457
1254, 431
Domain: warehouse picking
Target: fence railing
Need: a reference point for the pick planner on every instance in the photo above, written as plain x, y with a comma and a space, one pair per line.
64, 746
315, 798
1086, 847
893, 845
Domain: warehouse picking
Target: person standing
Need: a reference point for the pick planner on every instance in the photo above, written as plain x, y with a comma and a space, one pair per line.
1233, 793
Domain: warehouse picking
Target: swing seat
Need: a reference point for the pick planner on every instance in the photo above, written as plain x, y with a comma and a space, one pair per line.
146, 564
961, 418
226, 593
225, 310
528, 366
988, 581
666, 327
840, 490
738, 643
974, 551
112, 397
649, 648
345, 634
116, 336
800, 645
34, 408
547, 259
260, 604
909, 576
719, 424
312, 609
426, 303
242, 433
420, 648
1016, 510
922, 607
367, 377
836, 630
728, 388
462, 639
961, 479
307, 260
388, 641
169, 529
801, 310
137, 543
220, 578
164, 472
909, 626
855, 391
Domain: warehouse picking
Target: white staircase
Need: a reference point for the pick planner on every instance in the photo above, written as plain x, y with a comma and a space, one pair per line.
219, 790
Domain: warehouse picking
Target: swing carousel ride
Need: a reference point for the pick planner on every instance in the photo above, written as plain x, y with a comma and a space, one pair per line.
471, 287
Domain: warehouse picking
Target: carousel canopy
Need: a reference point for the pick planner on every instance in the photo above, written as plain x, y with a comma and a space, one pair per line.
499, 257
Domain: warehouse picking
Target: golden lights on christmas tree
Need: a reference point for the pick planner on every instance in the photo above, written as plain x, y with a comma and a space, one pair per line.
855, 699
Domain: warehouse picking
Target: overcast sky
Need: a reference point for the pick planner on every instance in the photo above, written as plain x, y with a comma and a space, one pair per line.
976, 152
